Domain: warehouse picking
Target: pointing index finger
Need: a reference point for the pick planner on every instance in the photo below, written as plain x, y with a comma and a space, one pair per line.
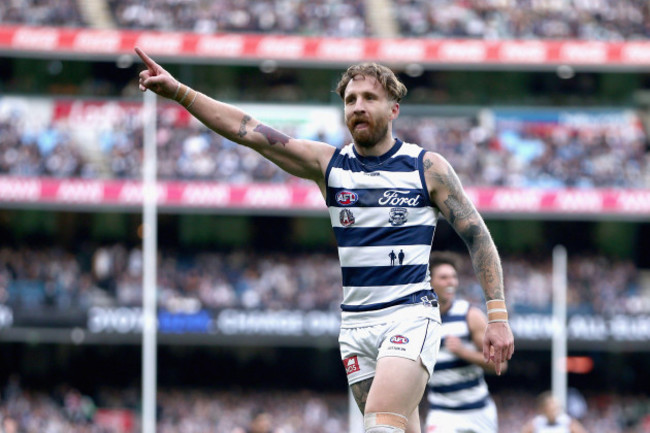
146, 59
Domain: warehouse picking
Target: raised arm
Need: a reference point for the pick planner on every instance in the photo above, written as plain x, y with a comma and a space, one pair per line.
447, 194
303, 158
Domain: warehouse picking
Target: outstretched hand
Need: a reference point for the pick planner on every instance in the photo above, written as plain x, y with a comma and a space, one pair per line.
498, 344
155, 78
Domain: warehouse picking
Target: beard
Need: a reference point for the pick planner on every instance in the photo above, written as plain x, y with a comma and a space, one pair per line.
370, 136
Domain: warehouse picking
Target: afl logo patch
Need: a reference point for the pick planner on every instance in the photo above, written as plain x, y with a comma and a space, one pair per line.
399, 339
346, 217
346, 198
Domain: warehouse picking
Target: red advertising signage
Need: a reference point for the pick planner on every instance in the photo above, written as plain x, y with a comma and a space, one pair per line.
328, 50
297, 197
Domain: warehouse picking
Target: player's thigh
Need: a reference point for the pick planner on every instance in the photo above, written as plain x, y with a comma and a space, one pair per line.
398, 386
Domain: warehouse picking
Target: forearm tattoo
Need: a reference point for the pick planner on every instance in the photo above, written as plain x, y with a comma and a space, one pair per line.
471, 228
242, 127
360, 392
272, 136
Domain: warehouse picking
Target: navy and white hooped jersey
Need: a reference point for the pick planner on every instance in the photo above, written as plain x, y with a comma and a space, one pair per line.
455, 383
384, 223
562, 424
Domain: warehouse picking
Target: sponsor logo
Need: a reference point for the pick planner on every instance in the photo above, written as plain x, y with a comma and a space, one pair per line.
404, 49
160, 42
583, 52
351, 364
398, 216
227, 46
399, 339
346, 198
35, 38
120, 320
81, 191
517, 200
273, 196
585, 201
635, 53
341, 49
104, 41
462, 51
206, 194
396, 197
346, 217
284, 47
525, 52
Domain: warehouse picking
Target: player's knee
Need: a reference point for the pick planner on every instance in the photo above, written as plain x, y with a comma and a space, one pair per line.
384, 422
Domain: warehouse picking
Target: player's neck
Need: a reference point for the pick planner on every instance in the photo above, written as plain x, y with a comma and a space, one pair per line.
379, 148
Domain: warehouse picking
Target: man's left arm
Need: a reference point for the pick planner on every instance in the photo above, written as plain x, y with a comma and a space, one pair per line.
447, 194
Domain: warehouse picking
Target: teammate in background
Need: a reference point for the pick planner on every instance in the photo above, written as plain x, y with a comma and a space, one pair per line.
551, 418
9, 425
383, 195
457, 398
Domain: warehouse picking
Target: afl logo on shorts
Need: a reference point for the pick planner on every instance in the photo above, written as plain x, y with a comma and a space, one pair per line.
399, 339
346, 198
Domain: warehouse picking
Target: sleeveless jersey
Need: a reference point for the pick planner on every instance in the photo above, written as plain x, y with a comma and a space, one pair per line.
384, 223
562, 424
455, 383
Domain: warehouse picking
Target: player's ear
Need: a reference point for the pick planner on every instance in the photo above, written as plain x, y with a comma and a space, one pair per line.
394, 110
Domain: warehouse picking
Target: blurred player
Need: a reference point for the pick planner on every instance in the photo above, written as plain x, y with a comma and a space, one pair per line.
9, 425
457, 398
383, 195
551, 418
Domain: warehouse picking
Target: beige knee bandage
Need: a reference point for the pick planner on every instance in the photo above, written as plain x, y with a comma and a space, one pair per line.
384, 422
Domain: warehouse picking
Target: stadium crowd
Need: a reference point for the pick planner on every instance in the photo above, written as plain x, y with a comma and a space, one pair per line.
112, 276
66, 409
64, 13
608, 20
523, 155
340, 18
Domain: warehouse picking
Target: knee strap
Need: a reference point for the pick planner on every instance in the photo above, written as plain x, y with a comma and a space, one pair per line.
384, 422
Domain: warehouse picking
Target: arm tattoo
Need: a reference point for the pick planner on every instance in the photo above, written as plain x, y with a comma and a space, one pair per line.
426, 165
360, 392
272, 136
242, 127
471, 228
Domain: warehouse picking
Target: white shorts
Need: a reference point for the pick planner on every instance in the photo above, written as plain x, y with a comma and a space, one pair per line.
414, 332
483, 420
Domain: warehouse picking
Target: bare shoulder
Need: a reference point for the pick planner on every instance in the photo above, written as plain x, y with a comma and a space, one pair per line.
434, 163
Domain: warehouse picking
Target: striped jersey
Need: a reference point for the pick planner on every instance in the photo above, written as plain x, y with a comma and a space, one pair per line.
455, 383
562, 424
384, 223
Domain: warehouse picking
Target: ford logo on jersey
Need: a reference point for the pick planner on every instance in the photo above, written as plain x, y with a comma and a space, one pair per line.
399, 339
398, 197
346, 198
